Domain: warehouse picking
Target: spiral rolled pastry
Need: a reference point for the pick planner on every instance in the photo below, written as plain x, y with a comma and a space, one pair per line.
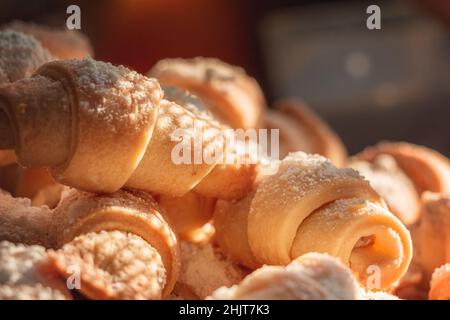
92, 230
232, 96
312, 276
100, 128
310, 205
302, 130
60, 42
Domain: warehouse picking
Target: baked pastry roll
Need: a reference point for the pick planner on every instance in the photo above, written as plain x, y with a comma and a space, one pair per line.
390, 181
60, 42
232, 96
440, 283
302, 130
121, 243
312, 276
310, 205
432, 235
100, 128
428, 169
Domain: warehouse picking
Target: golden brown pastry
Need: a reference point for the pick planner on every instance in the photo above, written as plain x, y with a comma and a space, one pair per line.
62, 43
392, 184
187, 214
122, 134
232, 96
310, 205
440, 283
302, 130
312, 276
25, 274
432, 235
121, 243
20, 55
428, 169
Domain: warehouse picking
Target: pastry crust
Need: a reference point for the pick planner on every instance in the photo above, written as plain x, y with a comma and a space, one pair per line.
302, 130
60, 42
136, 213
112, 265
232, 96
392, 184
187, 214
440, 283
100, 128
311, 277
20, 55
433, 232
309, 205
428, 169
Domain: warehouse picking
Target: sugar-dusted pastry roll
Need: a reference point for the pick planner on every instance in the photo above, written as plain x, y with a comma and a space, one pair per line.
313, 276
310, 205
232, 96
204, 269
440, 283
100, 127
20, 222
432, 247
61, 42
126, 227
20, 55
428, 169
25, 274
302, 130
396, 188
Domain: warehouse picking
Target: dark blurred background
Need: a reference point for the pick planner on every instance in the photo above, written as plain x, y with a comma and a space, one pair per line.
370, 85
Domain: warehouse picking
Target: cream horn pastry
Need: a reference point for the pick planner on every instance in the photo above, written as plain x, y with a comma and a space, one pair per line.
310, 205
390, 181
232, 96
302, 130
99, 128
60, 42
313, 276
92, 230
25, 274
428, 169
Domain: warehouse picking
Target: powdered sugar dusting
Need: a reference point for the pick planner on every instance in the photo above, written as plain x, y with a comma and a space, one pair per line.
20, 55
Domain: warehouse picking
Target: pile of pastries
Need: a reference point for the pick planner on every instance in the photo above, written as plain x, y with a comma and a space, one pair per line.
92, 205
